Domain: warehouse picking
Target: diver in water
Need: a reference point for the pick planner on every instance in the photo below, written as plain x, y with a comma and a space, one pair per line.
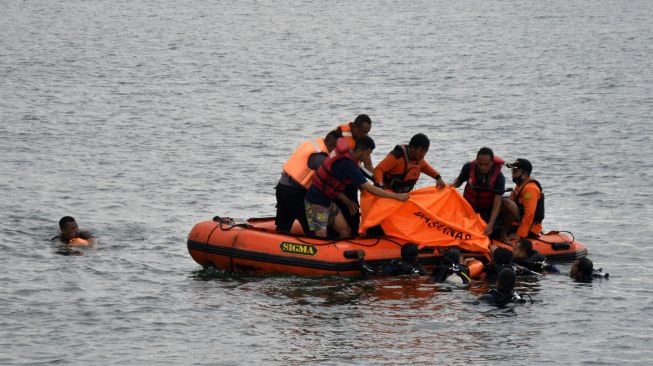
451, 269
501, 258
583, 271
530, 259
505, 291
407, 265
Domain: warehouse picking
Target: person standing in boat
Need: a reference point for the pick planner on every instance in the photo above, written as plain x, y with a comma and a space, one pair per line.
296, 178
484, 186
526, 203
338, 171
352, 131
400, 170
71, 235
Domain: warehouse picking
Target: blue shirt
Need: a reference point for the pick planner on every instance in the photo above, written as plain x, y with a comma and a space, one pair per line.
343, 169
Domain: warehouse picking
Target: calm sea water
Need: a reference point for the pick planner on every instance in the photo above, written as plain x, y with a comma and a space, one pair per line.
142, 118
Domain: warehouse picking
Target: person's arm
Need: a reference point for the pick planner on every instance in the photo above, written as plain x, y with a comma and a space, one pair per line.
462, 177
427, 169
499, 186
316, 159
351, 205
384, 166
383, 193
367, 163
530, 194
496, 207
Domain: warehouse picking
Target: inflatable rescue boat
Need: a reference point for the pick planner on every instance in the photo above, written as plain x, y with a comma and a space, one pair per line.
253, 247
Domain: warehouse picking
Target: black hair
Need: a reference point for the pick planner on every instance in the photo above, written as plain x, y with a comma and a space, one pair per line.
362, 119
502, 256
585, 266
452, 254
64, 220
409, 253
506, 280
527, 246
420, 140
485, 151
365, 143
333, 134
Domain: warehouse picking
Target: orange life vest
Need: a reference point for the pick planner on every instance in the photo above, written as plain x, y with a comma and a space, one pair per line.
297, 165
345, 131
539, 209
404, 182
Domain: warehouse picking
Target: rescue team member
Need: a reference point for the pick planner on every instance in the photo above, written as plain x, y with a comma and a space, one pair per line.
338, 171
526, 202
400, 170
524, 255
71, 235
484, 186
296, 177
351, 131
505, 291
582, 269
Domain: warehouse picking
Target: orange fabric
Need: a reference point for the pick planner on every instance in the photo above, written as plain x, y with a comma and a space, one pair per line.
527, 195
432, 216
297, 164
396, 166
345, 129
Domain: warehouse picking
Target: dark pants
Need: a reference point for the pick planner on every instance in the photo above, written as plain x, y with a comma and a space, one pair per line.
290, 207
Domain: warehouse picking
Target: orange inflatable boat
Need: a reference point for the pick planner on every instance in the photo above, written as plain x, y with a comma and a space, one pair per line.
556, 246
253, 247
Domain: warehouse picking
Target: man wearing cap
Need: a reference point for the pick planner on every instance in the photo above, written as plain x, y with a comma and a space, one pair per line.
526, 202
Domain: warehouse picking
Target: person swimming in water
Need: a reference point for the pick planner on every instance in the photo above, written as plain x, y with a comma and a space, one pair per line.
504, 293
71, 236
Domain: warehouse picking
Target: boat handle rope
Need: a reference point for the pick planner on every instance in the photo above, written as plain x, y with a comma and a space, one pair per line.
557, 232
227, 223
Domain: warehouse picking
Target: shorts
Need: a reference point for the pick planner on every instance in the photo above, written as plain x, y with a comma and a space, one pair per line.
320, 217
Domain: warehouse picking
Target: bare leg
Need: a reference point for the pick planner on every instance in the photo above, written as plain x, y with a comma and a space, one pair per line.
341, 225
509, 208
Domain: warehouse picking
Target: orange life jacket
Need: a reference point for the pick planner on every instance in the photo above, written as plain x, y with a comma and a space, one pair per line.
345, 131
297, 165
481, 196
539, 209
404, 182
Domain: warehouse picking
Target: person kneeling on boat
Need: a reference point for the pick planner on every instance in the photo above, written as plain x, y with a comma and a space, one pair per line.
485, 185
505, 290
71, 235
400, 170
296, 178
338, 171
526, 204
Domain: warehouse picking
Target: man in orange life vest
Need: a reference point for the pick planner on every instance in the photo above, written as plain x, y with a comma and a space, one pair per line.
338, 171
484, 186
526, 202
296, 178
400, 170
352, 131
